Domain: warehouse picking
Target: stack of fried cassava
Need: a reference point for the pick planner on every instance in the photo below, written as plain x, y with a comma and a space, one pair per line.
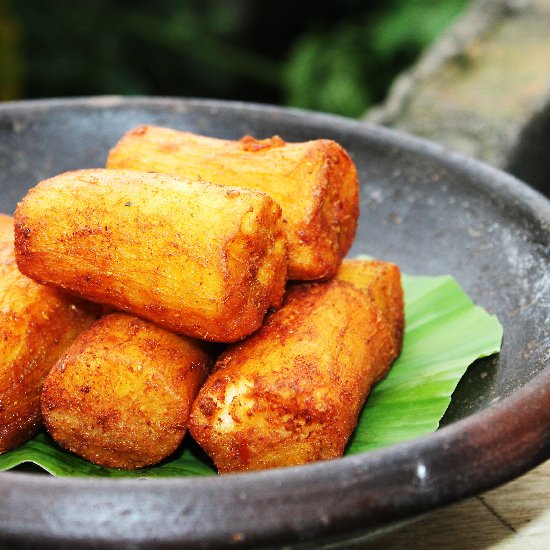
128, 276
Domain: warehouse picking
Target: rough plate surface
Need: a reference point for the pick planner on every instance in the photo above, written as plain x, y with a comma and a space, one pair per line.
431, 212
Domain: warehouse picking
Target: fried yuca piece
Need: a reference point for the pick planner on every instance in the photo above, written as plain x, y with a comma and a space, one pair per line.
291, 393
121, 395
382, 281
196, 258
37, 324
315, 183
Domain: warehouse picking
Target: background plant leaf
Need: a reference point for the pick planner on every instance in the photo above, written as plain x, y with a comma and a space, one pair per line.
445, 332
339, 57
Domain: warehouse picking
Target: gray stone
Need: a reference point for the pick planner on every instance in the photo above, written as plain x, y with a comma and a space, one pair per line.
484, 89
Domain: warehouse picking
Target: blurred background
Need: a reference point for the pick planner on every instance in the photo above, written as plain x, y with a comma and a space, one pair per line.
337, 57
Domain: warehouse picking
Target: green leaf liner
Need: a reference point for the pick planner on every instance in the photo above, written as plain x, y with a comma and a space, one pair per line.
445, 333
44, 452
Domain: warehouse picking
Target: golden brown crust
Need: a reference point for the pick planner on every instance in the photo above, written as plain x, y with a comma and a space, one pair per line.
121, 395
37, 324
196, 258
314, 182
382, 282
291, 393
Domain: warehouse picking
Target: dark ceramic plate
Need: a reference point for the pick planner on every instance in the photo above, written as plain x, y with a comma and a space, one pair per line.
430, 211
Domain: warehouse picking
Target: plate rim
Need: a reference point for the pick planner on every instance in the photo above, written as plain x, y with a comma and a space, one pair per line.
532, 428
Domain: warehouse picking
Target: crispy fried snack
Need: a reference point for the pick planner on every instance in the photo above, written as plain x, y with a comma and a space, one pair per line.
382, 281
292, 392
121, 395
36, 326
315, 182
196, 258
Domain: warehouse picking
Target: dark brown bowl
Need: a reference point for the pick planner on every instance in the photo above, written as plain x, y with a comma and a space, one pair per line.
430, 211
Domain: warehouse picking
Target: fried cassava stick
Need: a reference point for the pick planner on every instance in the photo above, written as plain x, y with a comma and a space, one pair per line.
37, 324
291, 393
196, 258
121, 395
315, 183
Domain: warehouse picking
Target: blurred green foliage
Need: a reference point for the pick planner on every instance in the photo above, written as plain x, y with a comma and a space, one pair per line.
337, 57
